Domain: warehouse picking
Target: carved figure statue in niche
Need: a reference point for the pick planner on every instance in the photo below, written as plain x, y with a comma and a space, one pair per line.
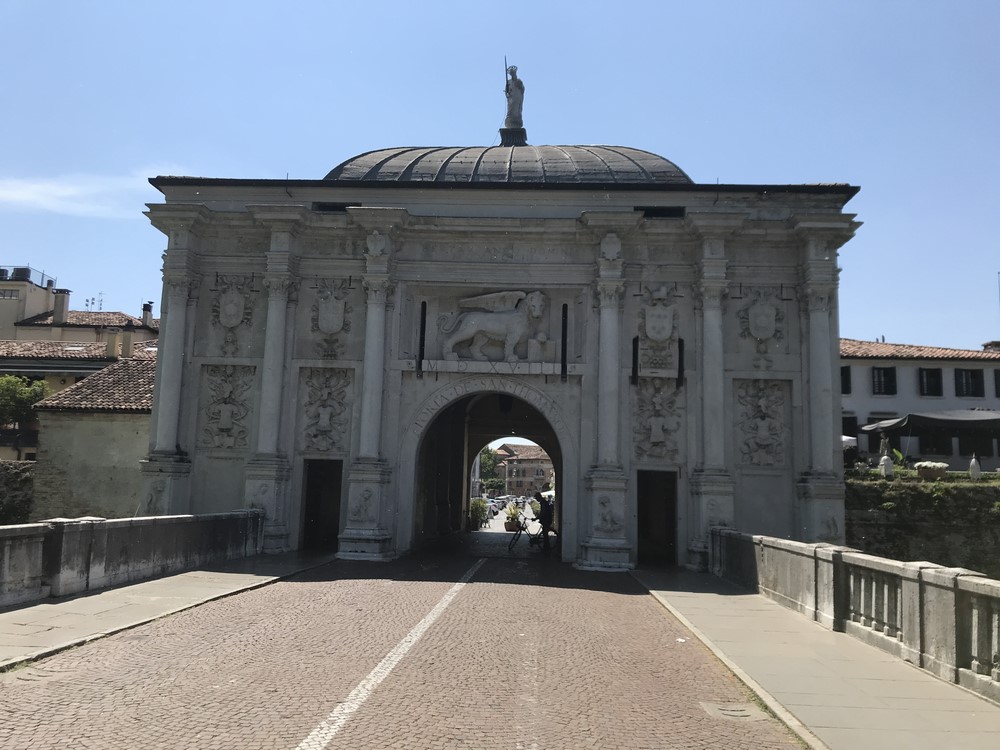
514, 91
609, 521
657, 419
360, 509
154, 499
326, 408
228, 408
231, 309
763, 320
762, 422
657, 327
330, 318
502, 316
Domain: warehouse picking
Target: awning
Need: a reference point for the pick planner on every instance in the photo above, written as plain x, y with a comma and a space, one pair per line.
964, 420
846, 441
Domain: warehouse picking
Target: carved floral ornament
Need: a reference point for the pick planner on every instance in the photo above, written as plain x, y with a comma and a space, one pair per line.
226, 414
658, 417
761, 422
326, 408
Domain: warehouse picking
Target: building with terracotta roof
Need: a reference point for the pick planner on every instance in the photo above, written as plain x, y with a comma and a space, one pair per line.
92, 436
880, 380
525, 469
42, 339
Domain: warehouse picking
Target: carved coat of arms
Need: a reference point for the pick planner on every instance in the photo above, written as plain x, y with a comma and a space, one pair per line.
762, 320
330, 312
659, 322
232, 306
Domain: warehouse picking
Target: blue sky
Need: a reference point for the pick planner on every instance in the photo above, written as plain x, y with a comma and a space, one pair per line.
900, 98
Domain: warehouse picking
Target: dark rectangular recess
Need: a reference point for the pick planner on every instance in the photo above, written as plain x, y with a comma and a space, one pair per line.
969, 383
975, 443
333, 208
662, 212
563, 361
423, 335
884, 381
634, 379
930, 381
845, 380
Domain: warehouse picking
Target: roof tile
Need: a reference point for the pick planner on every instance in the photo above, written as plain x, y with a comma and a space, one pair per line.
856, 349
125, 386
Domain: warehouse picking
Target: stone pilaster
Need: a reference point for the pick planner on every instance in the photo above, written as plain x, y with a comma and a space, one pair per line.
173, 330
712, 488
365, 534
819, 512
606, 546
265, 486
821, 399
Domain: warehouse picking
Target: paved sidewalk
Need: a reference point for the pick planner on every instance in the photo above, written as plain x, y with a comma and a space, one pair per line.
832, 689
33, 631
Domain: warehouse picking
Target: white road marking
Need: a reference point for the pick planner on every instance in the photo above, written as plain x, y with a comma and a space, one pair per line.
320, 737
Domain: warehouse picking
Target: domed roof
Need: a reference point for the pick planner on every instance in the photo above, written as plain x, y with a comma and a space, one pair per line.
582, 165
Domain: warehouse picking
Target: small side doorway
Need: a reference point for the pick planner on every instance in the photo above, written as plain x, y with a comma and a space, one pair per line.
322, 504
657, 510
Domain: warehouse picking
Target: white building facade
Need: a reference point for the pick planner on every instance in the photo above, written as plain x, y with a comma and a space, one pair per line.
337, 351
883, 380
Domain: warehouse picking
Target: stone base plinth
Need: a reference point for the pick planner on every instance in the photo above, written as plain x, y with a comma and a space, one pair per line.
165, 485
605, 554
820, 509
365, 544
265, 486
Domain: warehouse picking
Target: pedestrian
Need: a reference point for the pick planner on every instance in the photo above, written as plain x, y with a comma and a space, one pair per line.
545, 515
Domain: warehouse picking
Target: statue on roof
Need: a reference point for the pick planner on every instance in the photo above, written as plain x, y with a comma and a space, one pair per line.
515, 99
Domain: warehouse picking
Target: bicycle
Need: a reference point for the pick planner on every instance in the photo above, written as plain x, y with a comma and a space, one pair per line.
536, 538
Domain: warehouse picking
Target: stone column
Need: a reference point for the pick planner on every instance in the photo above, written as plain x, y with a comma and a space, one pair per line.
272, 370
606, 547
712, 489
377, 288
608, 376
265, 482
820, 380
173, 330
365, 536
820, 507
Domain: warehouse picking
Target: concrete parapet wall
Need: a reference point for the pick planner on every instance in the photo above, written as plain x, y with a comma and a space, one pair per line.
21, 563
945, 620
64, 556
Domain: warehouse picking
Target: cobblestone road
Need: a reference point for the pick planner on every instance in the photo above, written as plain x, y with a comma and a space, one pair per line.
529, 654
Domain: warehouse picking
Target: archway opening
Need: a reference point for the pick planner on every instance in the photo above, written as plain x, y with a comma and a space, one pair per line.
445, 458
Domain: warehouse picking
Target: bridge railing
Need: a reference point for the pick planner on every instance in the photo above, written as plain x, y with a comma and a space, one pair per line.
945, 620
65, 556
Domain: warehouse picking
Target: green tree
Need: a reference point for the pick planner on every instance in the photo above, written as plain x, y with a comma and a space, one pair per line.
488, 460
17, 398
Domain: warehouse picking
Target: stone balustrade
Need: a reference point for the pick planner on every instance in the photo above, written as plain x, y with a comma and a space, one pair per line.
944, 620
64, 556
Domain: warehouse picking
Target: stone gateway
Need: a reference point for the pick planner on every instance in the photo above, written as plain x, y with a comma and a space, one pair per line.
337, 351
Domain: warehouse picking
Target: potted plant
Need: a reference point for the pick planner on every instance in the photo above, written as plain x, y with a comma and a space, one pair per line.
511, 523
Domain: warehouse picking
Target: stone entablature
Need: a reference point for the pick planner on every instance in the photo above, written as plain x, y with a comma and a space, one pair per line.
300, 327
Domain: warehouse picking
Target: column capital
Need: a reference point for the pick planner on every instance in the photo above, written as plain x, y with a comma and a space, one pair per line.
713, 292
377, 288
819, 297
609, 292
278, 286
179, 221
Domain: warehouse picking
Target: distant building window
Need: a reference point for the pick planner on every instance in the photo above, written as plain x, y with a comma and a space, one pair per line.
845, 379
884, 381
969, 383
996, 382
849, 426
935, 444
931, 382
8, 293
980, 445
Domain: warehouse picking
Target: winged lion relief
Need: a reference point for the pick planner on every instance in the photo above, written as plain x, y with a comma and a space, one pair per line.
503, 317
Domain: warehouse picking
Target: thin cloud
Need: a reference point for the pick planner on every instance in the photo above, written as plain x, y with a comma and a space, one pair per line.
83, 195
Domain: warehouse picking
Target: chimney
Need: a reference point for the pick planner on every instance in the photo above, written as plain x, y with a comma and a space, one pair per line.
147, 314
111, 347
127, 340
60, 311
991, 346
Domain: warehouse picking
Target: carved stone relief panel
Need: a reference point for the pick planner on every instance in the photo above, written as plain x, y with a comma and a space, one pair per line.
232, 309
327, 408
226, 416
493, 326
760, 421
657, 323
658, 417
331, 317
762, 320
609, 516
